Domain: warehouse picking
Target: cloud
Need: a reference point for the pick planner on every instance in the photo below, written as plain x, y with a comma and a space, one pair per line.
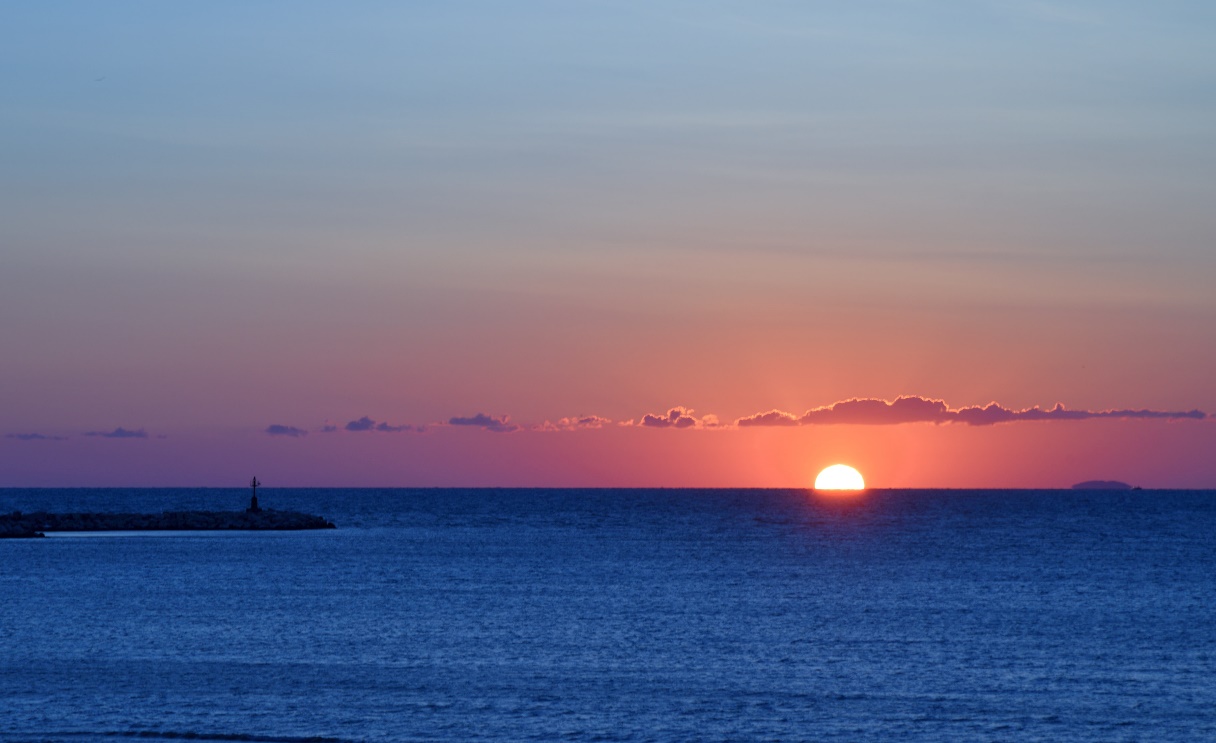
771, 418
367, 424
870, 411
386, 428
854, 411
119, 433
993, 413
488, 422
574, 424
915, 409
363, 424
34, 437
677, 417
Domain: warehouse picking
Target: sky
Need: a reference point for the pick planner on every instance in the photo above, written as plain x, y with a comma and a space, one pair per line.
582, 243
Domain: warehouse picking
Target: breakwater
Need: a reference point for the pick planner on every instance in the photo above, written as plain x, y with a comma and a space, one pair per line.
35, 524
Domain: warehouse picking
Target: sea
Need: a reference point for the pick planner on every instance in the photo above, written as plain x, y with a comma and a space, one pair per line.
618, 615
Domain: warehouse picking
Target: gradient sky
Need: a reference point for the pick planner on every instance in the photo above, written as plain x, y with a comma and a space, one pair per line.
226, 226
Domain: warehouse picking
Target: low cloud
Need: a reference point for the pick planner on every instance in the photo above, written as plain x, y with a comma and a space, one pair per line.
574, 424
677, 417
870, 411
363, 424
500, 424
771, 418
387, 428
992, 413
367, 424
34, 437
915, 409
119, 433
854, 411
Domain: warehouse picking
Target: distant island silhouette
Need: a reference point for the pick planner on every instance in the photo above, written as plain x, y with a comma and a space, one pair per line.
1102, 485
254, 518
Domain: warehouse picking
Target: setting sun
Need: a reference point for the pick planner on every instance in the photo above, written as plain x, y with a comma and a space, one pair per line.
840, 477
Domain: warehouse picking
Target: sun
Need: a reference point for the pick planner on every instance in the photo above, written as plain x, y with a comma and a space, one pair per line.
840, 477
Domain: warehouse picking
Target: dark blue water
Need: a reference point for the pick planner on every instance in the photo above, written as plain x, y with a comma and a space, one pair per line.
620, 615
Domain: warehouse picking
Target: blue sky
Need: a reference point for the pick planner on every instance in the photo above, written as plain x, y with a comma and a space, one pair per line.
231, 214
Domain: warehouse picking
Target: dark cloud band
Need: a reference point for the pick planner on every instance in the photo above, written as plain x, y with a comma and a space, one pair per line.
500, 424
34, 437
913, 409
855, 412
119, 433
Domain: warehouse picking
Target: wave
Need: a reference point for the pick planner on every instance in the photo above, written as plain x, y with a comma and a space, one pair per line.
194, 735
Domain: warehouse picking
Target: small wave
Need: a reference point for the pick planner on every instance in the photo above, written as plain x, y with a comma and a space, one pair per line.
192, 735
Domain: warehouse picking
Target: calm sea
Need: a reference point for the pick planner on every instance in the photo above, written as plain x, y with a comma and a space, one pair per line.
620, 615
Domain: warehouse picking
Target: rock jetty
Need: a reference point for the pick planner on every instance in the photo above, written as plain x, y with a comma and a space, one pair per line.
18, 524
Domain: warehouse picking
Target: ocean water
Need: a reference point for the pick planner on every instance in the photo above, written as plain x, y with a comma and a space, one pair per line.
620, 615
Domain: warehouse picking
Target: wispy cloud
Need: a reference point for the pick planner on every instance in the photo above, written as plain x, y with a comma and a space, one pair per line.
119, 433
994, 413
574, 424
389, 428
34, 437
275, 429
915, 409
501, 424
